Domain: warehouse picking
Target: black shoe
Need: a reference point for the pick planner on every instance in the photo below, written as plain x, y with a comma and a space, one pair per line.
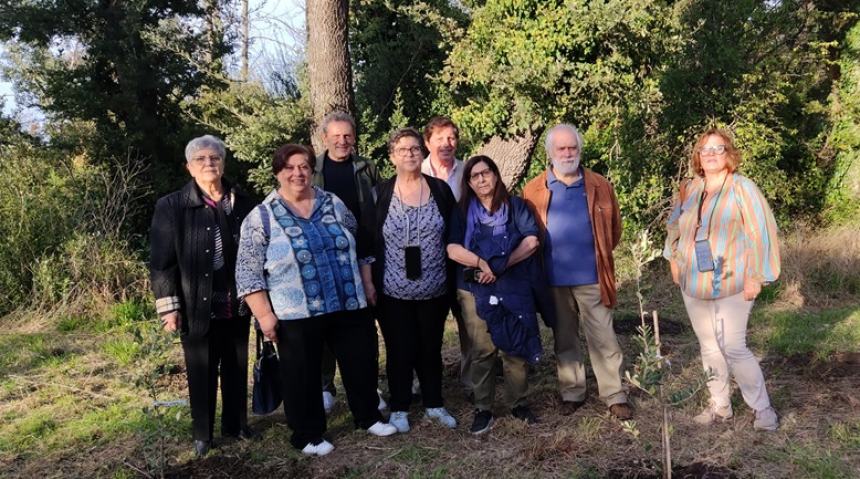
524, 414
248, 434
482, 423
201, 447
570, 407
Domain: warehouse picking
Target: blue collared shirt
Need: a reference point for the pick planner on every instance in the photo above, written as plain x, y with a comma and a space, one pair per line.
569, 253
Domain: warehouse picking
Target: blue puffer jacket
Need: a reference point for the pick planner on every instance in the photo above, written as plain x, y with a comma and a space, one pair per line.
510, 304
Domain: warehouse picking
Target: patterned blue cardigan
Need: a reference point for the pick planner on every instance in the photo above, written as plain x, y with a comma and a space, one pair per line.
308, 266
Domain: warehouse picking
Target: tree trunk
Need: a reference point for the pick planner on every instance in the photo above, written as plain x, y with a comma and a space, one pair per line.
513, 154
329, 71
246, 39
214, 34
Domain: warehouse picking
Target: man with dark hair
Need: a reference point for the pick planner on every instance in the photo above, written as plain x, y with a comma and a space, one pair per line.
441, 137
353, 179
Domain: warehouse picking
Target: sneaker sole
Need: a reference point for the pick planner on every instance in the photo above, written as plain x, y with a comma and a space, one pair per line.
482, 431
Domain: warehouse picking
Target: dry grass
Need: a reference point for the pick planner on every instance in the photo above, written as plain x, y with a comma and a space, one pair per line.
69, 409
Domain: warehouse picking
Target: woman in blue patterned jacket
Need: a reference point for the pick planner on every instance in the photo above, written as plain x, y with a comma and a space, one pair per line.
298, 270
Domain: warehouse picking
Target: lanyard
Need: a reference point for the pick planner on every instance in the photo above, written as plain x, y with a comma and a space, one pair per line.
713, 207
417, 213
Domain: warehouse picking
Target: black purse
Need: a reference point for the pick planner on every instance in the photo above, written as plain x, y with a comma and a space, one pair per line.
267, 394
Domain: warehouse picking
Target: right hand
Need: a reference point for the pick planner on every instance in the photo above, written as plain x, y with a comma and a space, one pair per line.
269, 325
171, 321
676, 272
486, 276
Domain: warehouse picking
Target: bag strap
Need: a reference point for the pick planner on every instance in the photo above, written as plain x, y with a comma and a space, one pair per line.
682, 193
259, 343
264, 218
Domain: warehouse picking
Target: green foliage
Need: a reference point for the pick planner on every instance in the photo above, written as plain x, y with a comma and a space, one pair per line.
843, 190
61, 223
397, 49
124, 67
653, 375
254, 123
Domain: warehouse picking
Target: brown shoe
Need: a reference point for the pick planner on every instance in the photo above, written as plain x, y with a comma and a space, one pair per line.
622, 411
570, 407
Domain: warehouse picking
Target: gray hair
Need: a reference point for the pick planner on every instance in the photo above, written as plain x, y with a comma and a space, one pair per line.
566, 127
334, 116
204, 142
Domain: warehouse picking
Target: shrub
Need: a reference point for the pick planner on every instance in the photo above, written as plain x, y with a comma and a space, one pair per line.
63, 223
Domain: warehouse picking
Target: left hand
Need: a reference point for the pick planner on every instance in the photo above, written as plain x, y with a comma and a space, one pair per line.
369, 291
751, 289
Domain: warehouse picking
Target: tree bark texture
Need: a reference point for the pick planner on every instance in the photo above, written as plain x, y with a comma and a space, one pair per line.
329, 71
512, 154
246, 39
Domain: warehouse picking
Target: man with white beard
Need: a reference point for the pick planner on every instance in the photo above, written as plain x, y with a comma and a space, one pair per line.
580, 224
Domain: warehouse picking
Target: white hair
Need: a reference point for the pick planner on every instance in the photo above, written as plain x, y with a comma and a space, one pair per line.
565, 127
334, 116
205, 142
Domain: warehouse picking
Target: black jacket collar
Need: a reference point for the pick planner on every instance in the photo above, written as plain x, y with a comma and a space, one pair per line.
194, 197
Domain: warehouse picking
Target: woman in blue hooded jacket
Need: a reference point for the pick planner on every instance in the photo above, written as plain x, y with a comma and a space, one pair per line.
492, 237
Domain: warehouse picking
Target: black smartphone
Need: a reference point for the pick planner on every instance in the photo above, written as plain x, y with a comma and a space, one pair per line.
470, 275
412, 257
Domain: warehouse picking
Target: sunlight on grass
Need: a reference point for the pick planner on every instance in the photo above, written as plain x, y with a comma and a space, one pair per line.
821, 334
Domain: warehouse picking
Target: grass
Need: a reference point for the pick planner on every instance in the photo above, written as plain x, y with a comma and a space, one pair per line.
71, 405
819, 333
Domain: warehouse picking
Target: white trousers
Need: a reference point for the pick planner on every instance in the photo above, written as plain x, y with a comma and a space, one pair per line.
721, 327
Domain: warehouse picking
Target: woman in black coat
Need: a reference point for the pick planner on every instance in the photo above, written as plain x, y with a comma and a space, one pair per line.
194, 239
413, 278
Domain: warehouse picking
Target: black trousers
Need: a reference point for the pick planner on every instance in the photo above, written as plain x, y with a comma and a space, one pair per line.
351, 335
413, 331
223, 350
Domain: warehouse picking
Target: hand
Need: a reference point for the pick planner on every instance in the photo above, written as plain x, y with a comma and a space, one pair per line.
369, 291
486, 275
171, 321
751, 289
269, 325
676, 272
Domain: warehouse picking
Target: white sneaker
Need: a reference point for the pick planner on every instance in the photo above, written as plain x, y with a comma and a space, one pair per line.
328, 401
400, 420
382, 404
441, 414
766, 420
320, 449
713, 413
381, 429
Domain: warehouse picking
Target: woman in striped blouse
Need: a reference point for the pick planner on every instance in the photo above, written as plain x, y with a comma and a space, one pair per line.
722, 246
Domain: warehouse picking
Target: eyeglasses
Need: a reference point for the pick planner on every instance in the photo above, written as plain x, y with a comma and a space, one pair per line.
202, 159
713, 150
403, 152
488, 173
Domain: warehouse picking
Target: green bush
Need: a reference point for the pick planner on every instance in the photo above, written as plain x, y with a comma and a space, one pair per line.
62, 227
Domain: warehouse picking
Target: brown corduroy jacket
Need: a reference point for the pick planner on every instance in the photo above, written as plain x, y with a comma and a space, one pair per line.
605, 223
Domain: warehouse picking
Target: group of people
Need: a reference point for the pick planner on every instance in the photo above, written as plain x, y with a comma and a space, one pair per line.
335, 249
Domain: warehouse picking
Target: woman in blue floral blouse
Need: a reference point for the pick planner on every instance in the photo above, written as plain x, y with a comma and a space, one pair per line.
298, 270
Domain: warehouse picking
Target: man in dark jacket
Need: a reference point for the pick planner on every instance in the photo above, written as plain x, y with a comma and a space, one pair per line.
194, 240
353, 179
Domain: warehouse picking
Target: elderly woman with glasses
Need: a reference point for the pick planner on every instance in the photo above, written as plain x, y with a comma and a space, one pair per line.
722, 247
302, 268
413, 278
500, 287
194, 238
